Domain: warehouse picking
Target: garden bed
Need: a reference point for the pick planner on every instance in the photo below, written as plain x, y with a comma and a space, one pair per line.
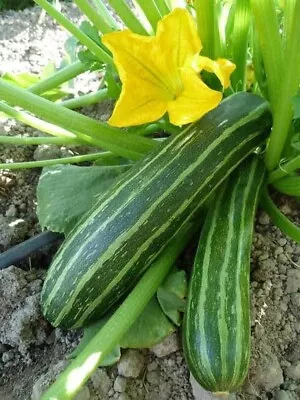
31, 352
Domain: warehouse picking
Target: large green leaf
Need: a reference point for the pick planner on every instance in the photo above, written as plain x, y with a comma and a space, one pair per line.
171, 295
26, 79
66, 192
150, 328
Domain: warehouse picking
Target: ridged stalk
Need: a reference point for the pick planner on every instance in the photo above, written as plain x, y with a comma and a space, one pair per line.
58, 78
266, 25
151, 11
240, 36
104, 12
36, 141
208, 29
289, 85
163, 7
36, 123
86, 99
75, 31
111, 139
127, 16
97, 20
54, 161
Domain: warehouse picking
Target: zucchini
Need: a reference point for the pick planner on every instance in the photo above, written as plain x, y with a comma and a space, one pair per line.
107, 252
216, 328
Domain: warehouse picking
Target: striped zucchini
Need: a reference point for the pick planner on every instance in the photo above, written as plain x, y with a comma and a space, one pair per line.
216, 330
113, 244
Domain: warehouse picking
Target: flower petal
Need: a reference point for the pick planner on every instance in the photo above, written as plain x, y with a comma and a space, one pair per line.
196, 100
178, 35
144, 93
222, 68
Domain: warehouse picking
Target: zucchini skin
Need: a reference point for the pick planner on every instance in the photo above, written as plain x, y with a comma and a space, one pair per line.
113, 244
216, 328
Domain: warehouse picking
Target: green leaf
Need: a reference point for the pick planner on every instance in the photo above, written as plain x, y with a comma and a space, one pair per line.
289, 185
88, 334
25, 80
90, 31
58, 187
171, 296
150, 328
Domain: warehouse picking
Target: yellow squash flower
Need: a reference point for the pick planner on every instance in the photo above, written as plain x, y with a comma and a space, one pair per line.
160, 73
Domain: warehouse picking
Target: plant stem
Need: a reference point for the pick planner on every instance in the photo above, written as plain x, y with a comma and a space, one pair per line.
290, 79
104, 12
75, 31
270, 45
54, 161
289, 10
279, 219
36, 123
97, 20
284, 169
110, 138
163, 7
151, 12
79, 371
86, 100
240, 37
127, 16
59, 77
35, 141
208, 29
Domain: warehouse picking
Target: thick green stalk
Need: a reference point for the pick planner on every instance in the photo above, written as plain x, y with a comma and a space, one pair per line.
80, 370
266, 25
289, 10
75, 31
30, 141
127, 16
239, 43
279, 219
59, 77
208, 29
290, 79
110, 138
54, 161
163, 7
97, 20
86, 99
151, 11
284, 170
36, 123
104, 12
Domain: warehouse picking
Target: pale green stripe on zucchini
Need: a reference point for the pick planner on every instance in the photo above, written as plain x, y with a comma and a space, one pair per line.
216, 327
131, 224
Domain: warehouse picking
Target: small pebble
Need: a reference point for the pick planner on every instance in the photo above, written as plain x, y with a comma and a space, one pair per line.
168, 346
131, 364
293, 372
120, 384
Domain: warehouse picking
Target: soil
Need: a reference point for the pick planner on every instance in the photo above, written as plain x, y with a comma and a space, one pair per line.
32, 353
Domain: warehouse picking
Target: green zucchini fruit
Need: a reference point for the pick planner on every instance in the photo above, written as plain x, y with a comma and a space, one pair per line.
110, 248
216, 328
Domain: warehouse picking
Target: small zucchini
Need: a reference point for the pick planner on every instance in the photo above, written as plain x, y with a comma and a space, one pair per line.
216, 329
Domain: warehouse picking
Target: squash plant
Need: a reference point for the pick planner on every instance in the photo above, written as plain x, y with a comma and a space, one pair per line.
176, 60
